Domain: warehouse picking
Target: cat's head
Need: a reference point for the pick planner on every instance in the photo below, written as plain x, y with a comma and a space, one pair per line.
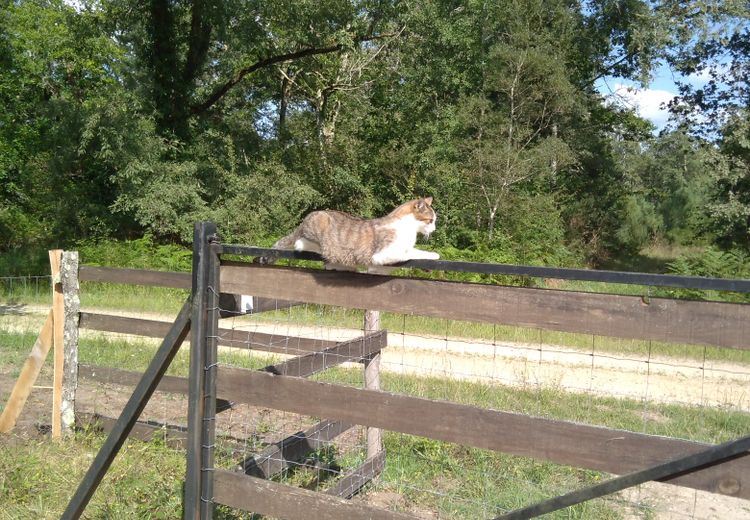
425, 215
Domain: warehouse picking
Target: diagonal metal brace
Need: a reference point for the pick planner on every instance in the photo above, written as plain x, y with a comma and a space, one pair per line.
687, 464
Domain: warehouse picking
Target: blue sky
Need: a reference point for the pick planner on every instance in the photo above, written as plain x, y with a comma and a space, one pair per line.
648, 101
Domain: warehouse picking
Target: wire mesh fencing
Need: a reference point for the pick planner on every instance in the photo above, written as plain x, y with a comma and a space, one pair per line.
689, 392
672, 389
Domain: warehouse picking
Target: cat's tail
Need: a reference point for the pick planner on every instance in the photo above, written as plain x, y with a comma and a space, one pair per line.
286, 242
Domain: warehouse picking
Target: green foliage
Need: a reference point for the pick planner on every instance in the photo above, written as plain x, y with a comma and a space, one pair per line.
640, 224
138, 120
24, 261
142, 253
729, 206
714, 263
267, 200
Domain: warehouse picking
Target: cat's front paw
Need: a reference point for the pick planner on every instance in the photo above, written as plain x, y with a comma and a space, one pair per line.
419, 254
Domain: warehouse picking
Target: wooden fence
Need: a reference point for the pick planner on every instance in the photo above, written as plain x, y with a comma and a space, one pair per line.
285, 387
579, 445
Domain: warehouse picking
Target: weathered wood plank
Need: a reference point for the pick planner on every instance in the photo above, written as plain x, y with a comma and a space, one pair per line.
124, 325
277, 343
357, 349
175, 280
356, 479
236, 338
89, 273
231, 305
26, 379
711, 323
173, 384
291, 503
281, 455
591, 447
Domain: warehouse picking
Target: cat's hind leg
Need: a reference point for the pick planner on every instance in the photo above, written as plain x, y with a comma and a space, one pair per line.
303, 244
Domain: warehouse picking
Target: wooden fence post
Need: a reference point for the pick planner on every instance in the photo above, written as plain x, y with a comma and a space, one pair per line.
58, 311
66, 305
372, 382
71, 313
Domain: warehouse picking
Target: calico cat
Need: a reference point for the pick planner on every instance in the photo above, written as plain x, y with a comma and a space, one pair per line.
346, 241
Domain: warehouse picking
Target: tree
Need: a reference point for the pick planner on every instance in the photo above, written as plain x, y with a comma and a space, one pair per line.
729, 208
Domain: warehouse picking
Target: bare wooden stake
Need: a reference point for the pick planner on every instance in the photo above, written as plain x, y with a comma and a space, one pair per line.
372, 382
58, 313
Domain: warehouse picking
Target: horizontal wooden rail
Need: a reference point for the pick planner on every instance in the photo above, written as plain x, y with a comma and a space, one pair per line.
175, 280
100, 374
579, 445
563, 273
175, 436
277, 343
353, 481
88, 273
680, 321
291, 503
354, 350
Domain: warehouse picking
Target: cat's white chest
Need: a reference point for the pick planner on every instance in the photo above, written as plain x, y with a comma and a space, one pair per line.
400, 249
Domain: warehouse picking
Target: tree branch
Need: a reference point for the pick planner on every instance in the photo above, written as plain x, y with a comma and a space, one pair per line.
221, 91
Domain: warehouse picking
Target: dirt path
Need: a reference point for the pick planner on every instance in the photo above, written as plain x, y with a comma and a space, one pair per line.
657, 379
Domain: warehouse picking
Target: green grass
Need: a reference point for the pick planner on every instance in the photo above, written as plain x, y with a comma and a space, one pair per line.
38, 476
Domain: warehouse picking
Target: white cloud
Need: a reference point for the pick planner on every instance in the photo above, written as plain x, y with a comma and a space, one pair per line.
648, 103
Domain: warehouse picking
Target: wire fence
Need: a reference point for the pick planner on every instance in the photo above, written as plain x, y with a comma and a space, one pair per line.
685, 391
690, 392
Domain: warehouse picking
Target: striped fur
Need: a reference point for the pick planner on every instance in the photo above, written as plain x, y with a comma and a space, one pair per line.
347, 240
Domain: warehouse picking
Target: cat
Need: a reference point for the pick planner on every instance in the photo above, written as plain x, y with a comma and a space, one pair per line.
345, 241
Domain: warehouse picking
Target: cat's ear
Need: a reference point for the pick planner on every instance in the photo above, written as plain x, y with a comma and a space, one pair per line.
428, 200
